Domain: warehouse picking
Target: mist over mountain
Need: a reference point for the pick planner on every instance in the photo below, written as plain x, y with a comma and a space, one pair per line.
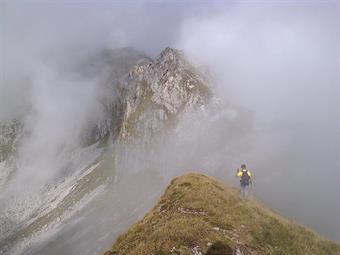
102, 103
157, 107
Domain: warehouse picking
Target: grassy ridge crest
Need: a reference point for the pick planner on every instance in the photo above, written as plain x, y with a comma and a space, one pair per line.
199, 215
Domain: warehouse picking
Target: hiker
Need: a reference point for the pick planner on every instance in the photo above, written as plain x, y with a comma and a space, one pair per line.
245, 180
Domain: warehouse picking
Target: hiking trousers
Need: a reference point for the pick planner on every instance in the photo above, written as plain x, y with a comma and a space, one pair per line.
244, 191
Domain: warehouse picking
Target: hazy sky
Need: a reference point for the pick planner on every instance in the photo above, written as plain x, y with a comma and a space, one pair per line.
279, 59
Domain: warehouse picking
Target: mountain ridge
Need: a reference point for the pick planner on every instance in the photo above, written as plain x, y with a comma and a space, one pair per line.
199, 215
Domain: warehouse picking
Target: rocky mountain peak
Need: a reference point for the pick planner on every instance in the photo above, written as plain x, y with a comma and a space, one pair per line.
156, 92
171, 57
152, 97
168, 51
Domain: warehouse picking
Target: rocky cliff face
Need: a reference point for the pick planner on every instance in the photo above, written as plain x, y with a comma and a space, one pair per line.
155, 93
10, 134
144, 96
156, 104
110, 66
8, 138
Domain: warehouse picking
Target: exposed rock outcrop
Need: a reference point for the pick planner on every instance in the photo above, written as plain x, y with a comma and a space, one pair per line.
9, 133
150, 97
153, 95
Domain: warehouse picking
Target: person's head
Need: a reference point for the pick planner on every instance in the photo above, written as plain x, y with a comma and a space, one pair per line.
243, 166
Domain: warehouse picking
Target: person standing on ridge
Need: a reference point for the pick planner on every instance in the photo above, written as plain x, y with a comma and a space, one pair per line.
245, 179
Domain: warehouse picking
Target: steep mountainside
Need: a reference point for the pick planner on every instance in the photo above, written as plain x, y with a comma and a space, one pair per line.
150, 97
10, 134
153, 95
199, 215
8, 138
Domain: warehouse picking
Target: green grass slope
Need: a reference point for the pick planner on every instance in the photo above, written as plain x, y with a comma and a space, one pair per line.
199, 215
